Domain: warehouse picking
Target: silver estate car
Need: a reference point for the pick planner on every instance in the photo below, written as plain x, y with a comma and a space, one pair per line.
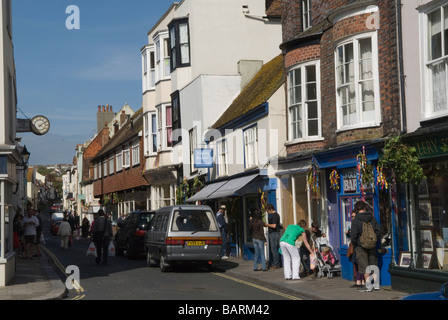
183, 233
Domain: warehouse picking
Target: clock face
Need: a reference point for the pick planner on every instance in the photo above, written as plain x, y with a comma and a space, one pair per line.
40, 125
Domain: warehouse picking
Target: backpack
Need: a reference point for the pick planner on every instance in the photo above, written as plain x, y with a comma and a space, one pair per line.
368, 236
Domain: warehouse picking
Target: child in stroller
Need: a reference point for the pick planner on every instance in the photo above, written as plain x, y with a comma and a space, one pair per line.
326, 261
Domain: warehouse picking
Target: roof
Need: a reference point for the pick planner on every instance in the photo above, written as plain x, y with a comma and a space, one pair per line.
263, 85
125, 134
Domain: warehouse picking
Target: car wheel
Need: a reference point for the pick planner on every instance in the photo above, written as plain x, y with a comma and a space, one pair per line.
163, 264
150, 260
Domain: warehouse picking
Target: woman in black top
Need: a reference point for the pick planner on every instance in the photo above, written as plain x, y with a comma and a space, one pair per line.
257, 228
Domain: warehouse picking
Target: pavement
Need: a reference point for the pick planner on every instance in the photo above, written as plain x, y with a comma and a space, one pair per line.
37, 280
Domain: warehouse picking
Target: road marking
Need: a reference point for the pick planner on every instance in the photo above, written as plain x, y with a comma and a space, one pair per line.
78, 288
257, 286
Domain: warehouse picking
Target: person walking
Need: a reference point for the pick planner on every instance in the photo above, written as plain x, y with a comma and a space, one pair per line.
256, 226
351, 254
38, 234
291, 256
223, 227
85, 227
102, 236
273, 226
64, 233
29, 224
364, 240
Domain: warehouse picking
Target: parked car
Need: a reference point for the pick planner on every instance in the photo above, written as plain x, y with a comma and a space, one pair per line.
54, 228
437, 295
183, 233
130, 235
57, 216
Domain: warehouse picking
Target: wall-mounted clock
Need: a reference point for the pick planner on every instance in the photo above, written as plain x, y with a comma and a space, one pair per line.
40, 125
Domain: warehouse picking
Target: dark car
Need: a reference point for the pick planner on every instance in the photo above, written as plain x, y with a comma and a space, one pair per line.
130, 236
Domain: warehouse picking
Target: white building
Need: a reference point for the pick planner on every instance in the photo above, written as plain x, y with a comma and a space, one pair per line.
9, 155
191, 75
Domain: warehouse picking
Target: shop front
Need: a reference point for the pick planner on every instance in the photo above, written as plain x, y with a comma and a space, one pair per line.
421, 220
343, 190
242, 194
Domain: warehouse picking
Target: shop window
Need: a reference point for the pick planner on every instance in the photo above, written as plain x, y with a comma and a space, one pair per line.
431, 218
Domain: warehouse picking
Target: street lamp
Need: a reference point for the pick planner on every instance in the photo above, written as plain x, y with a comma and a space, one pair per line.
25, 156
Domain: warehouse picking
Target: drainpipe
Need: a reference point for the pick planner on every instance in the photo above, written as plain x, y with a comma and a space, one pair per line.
401, 66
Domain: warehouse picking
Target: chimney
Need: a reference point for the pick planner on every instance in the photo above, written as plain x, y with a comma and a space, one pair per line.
99, 108
116, 126
123, 117
104, 109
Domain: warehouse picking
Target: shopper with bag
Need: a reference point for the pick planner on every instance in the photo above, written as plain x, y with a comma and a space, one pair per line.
102, 236
364, 234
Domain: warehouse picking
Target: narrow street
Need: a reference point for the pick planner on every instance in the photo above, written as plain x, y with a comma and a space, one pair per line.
125, 279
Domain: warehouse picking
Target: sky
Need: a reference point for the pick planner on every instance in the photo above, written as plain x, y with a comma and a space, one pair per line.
66, 73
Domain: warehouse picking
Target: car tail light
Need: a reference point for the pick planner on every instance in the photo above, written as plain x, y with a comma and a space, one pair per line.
215, 241
139, 232
175, 241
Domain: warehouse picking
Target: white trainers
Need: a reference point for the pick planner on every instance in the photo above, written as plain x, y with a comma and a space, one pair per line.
224, 257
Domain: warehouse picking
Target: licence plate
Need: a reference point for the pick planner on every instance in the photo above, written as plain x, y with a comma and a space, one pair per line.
195, 243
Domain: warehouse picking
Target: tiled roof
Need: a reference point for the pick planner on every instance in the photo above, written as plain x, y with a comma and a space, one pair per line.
263, 85
125, 134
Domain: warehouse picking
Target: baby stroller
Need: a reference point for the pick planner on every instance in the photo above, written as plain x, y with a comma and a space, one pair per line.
327, 262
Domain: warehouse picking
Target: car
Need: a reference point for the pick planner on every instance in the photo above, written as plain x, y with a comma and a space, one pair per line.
183, 234
54, 228
131, 232
437, 295
57, 216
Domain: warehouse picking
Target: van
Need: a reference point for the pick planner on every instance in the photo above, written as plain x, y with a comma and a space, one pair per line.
183, 233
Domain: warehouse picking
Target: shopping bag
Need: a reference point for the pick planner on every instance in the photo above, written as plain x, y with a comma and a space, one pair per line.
312, 261
91, 251
111, 250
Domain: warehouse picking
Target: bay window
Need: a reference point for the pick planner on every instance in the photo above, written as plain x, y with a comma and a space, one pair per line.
356, 84
436, 62
304, 102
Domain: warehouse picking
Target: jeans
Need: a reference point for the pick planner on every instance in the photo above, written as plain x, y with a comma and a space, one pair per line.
102, 250
259, 254
305, 258
274, 245
224, 243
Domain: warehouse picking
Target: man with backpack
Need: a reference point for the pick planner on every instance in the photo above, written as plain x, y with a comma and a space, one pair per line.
365, 233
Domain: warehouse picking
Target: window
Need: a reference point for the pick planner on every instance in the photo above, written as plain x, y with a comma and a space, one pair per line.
222, 162
148, 67
95, 171
436, 82
176, 124
164, 126
304, 102
179, 44
193, 145
111, 165
306, 14
105, 167
126, 157
162, 59
119, 161
135, 153
357, 89
250, 147
151, 133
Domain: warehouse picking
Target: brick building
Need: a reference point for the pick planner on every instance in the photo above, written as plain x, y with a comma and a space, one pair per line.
341, 66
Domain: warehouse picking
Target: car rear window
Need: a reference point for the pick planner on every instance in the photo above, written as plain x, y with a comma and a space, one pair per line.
145, 219
193, 220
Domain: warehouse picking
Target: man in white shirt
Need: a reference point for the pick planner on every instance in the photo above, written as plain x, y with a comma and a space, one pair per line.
29, 224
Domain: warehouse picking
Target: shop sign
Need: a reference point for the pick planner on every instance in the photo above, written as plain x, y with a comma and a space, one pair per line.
203, 158
349, 181
432, 147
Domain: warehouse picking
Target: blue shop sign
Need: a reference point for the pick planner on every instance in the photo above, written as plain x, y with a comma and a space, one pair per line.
203, 158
